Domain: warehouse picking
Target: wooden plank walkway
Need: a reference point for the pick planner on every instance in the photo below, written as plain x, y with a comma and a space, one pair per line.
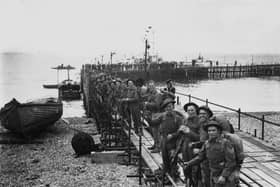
153, 160
262, 162
261, 166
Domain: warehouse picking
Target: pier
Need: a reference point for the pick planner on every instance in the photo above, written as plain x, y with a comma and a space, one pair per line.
179, 72
224, 72
261, 166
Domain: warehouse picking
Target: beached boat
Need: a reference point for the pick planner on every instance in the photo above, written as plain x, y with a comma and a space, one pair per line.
31, 117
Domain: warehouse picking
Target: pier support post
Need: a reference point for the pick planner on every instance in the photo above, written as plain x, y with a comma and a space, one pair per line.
129, 140
190, 98
262, 127
178, 102
239, 111
140, 154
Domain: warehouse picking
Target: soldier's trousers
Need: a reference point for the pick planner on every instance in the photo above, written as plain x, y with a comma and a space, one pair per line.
155, 133
187, 154
134, 110
205, 173
166, 149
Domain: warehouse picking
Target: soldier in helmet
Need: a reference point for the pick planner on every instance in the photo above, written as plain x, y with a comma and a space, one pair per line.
170, 123
221, 156
187, 137
204, 113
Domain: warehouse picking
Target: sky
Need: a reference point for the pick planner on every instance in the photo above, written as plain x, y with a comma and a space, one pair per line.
94, 28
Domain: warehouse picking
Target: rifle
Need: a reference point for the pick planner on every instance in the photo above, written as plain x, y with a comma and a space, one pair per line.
178, 148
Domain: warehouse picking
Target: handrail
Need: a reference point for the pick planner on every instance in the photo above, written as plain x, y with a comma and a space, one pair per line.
228, 108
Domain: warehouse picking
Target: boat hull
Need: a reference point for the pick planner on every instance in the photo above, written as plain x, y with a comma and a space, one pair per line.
29, 118
69, 92
50, 86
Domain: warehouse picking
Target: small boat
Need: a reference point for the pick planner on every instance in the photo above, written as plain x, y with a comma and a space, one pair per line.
50, 86
31, 117
69, 90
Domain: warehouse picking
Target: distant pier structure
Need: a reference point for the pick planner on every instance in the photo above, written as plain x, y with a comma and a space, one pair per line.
182, 73
223, 72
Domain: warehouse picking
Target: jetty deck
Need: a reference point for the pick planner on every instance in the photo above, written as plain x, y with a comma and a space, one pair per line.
262, 162
261, 166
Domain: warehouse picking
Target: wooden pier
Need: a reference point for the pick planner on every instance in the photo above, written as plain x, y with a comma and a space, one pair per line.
262, 163
223, 72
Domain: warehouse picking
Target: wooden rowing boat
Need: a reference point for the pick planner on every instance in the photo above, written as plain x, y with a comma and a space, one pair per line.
31, 117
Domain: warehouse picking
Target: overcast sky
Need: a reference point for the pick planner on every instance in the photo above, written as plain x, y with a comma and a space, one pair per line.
179, 27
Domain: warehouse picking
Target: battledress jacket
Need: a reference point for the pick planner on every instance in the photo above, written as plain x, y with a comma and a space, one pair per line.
220, 154
170, 122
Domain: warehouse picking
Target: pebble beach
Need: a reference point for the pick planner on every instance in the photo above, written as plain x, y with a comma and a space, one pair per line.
53, 163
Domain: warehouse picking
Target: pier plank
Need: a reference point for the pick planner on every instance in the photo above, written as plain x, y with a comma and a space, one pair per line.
265, 177
153, 160
261, 164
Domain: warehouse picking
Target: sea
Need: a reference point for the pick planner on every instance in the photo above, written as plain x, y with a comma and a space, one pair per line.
22, 76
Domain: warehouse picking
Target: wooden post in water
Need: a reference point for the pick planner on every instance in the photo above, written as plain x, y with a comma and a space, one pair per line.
140, 153
262, 127
129, 140
190, 98
227, 71
178, 102
239, 111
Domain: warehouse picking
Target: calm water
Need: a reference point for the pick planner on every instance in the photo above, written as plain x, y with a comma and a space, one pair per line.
22, 77
249, 94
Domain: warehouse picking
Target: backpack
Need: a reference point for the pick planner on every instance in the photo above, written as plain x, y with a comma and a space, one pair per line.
237, 145
82, 143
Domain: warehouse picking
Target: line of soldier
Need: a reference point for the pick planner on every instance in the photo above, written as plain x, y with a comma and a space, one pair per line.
211, 152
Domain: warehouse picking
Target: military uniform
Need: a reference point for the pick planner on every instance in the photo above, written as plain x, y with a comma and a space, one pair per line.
222, 162
187, 152
152, 111
204, 166
170, 123
134, 106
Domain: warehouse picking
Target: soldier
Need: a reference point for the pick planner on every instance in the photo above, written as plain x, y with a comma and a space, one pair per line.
221, 156
236, 142
204, 113
134, 105
152, 109
170, 123
169, 90
170, 87
188, 135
